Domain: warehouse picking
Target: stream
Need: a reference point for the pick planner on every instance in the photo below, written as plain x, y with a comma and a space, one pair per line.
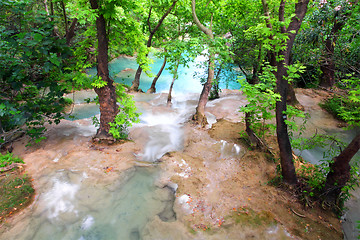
71, 204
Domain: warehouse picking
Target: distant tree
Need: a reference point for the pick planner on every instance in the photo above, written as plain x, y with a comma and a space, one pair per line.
328, 44
152, 31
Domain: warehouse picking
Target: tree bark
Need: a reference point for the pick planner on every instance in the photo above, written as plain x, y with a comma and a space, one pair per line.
339, 173
136, 83
214, 92
175, 76
107, 95
71, 32
286, 160
152, 89
327, 67
199, 116
282, 85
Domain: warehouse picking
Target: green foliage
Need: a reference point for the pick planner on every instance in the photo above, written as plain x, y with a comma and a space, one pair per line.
261, 99
126, 116
33, 61
333, 105
98, 83
346, 107
318, 26
8, 158
315, 175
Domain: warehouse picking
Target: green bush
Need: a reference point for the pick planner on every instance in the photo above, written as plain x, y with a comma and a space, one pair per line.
337, 105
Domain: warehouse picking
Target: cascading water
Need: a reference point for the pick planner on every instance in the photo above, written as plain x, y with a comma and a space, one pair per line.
72, 205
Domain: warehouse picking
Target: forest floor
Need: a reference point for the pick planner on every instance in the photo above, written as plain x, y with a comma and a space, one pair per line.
224, 189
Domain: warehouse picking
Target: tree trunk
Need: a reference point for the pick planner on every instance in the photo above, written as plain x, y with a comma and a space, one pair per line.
107, 95
327, 67
136, 82
71, 33
152, 89
339, 173
214, 92
199, 116
286, 160
256, 67
282, 85
175, 76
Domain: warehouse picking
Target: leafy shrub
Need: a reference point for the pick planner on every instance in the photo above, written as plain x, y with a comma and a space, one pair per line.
347, 107
126, 116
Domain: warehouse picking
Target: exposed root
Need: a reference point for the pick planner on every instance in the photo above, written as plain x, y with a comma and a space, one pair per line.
297, 214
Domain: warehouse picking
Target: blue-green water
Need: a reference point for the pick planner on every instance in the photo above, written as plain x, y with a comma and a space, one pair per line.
187, 82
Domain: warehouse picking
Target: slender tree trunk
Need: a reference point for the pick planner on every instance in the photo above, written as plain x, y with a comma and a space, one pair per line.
327, 67
214, 93
199, 116
71, 32
106, 94
282, 85
339, 173
286, 160
152, 89
136, 82
46, 8
175, 76
65, 16
256, 66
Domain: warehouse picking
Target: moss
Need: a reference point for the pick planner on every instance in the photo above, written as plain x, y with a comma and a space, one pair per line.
16, 192
247, 216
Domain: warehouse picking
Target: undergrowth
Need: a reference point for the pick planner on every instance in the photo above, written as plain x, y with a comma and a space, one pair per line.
16, 189
8, 158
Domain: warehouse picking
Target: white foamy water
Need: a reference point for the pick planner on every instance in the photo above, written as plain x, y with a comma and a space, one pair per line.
164, 126
60, 198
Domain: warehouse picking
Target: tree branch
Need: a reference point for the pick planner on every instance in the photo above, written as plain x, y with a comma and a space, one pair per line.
294, 26
164, 16
282, 16
207, 31
266, 14
148, 19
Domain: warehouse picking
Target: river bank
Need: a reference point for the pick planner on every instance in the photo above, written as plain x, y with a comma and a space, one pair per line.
222, 188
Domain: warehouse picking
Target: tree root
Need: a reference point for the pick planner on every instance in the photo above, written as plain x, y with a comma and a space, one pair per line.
297, 214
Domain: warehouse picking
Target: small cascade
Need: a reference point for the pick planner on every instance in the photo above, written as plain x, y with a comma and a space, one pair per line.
161, 127
74, 204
